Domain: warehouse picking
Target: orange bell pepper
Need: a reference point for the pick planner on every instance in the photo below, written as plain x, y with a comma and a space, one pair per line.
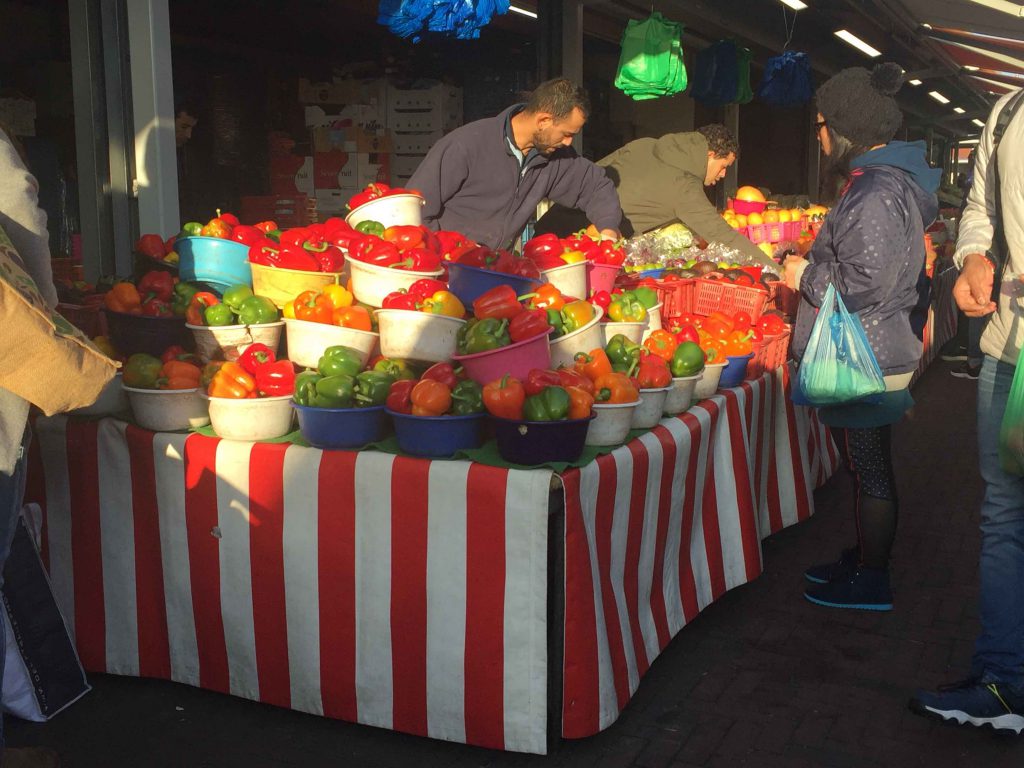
232, 381
123, 297
593, 365
738, 343
504, 398
615, 388
313, 307
177, 374
662, 343
547, 296
430, 398
353, 317
580, 403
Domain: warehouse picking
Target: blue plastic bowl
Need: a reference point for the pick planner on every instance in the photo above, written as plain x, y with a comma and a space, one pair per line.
152, 335
342, 428
214, 260
735, 370
469, 282
652, 273
437, 436
540, 442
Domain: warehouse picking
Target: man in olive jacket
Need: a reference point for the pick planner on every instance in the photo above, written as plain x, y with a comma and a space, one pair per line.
661, 181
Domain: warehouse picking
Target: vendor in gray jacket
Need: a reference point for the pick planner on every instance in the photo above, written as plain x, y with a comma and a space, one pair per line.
486, 178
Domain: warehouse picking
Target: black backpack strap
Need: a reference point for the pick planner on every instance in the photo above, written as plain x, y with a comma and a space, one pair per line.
999, 253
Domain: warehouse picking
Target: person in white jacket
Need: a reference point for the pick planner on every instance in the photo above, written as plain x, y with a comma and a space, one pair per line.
993, 694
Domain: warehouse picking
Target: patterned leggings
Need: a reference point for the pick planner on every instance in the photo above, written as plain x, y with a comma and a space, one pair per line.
869, 458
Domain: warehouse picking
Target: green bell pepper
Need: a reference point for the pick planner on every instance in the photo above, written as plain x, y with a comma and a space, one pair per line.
340, 359
256, 309
335, 391
141, 371
219, 314
190, 229
396, 369
556, 322
369, 227
467, 397
183, 293
552, 404
372, 388
687, 360
646, 296
623, 353
235, 295
626, 308
305, 387
482, 335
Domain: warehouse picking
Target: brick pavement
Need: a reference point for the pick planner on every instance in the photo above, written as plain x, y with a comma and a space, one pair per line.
760, 679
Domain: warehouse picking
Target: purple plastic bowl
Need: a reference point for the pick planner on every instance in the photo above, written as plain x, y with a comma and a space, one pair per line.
516, 360
540, 442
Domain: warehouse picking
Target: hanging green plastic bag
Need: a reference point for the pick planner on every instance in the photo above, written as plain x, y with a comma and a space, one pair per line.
838, 365
1011, 432
651, 62
744, 93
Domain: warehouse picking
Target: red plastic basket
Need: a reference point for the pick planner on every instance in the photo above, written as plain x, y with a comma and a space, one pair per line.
86, 317
723, 296
770, 354
783, 298
676, 296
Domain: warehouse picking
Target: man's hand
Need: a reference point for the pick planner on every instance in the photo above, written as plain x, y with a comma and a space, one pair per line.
793, 267
610, 234
973, 289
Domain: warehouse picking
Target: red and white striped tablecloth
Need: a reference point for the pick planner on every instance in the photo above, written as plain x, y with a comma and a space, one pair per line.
404, 593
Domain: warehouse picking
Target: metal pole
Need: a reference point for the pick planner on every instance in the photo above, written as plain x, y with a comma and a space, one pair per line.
120, 133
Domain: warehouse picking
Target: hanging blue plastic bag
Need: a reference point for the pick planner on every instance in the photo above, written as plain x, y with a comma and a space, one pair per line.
787, 80
716, 76
838, 365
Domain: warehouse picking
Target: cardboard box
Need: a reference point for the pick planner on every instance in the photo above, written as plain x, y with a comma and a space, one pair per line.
332, 201
428, 109
414, 143
372, 167
334, 92
335, 170
405, 165
291, 174
349, 138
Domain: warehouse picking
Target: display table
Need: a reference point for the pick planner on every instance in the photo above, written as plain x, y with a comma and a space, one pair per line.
422, 596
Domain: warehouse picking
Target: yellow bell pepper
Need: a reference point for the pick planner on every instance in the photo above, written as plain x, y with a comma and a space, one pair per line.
289, 310
339, 296
104, 345
444, 303
572, 257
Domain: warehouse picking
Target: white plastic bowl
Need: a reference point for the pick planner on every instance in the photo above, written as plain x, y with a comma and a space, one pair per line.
168, 410
407, 334
653, 321
111, 400
570, 279
228, 342
307, 341
390, 210
251, 418
612, 423
632, 331
708, 384
590, 336
371, 283
652, 404
680, 394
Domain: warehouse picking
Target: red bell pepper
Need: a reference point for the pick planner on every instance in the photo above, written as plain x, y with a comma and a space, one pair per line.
426, 287
569, 377
293, 257
474, 256
687, 333
330, 259
157, 284
405, 236
418, 260
246, 234
443, 372
275, 379
370, 192
543, 245
400, 396
401, 300
500, 302
528, 324
266, 227
295, 236
199, 302
259, 252
255, 356
150, 245
539, 379
430, 241
157, 308
449, 241
172, 353
606, 252
653, 372
601, 299
228, 218
511, 264
379, 252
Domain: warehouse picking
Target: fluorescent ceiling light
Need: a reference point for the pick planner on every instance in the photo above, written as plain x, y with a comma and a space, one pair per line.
969, 141
978, 123
915, 81
851, 39
938, 97
1002, 5
796, 5
971, 68
927, 26
959, 110
522, 11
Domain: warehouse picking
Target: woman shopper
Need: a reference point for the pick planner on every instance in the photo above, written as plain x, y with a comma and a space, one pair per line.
871, 248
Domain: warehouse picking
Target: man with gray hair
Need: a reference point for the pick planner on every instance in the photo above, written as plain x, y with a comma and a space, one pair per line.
486, 178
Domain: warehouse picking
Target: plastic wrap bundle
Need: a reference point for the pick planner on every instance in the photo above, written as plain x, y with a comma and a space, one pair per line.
462, 19
652, 252
658, 247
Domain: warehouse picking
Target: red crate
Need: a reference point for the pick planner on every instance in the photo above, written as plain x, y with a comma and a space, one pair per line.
88, 318
722, 296
675, 296
783, 298
770, 354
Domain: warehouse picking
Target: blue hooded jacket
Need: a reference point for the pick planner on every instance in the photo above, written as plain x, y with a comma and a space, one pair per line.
871, 247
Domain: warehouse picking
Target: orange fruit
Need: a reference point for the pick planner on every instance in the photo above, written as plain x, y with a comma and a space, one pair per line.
754, 219
770, 217
741, 219
750, 194
784, 215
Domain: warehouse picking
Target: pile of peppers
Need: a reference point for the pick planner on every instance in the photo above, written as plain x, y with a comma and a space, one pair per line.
256, 373
238, 306
499, 320
440, 391
546, 395
340, 382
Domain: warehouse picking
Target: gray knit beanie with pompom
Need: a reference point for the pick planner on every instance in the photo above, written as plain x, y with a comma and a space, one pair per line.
859, 105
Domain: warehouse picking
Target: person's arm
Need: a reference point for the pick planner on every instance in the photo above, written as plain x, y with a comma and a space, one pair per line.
580, 184
438, 178
865, 268
696, 212
23, 220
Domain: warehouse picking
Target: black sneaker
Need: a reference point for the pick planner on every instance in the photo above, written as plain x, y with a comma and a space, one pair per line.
973, 703
966, 371
866, 590
840, 570
953, 352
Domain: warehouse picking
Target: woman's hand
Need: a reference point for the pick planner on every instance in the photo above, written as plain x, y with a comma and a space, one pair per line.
794, 268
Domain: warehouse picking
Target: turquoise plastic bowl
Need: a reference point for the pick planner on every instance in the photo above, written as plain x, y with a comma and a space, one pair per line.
213, 260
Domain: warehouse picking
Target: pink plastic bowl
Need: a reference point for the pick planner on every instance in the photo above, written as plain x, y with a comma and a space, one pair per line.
517, 360
748, 206
601, 277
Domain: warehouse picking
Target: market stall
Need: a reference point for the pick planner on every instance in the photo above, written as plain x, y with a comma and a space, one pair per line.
411, 594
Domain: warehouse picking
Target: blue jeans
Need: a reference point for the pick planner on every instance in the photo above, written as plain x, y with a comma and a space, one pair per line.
999, 650
12, 496
975, 326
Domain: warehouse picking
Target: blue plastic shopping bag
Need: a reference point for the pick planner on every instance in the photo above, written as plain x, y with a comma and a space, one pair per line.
838, 365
